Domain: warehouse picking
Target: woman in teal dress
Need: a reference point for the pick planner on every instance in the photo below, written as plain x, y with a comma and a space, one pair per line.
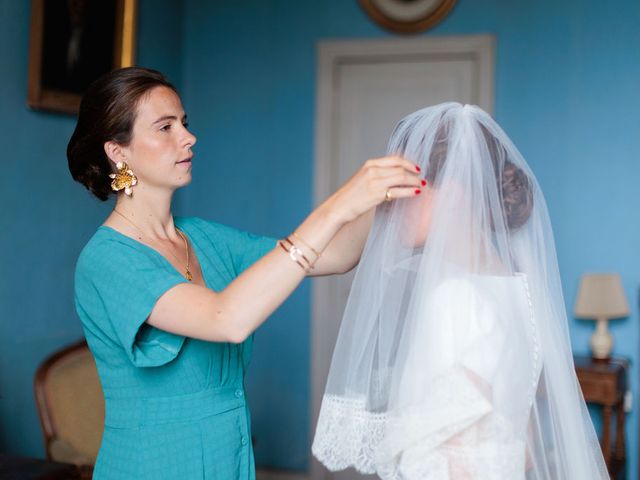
169, 304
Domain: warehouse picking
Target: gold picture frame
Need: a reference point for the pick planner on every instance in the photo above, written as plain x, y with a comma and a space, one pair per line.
71, 43
407, 16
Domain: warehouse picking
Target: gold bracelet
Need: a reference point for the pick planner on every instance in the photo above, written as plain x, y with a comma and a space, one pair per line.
291, 252
306, 244
298, 251
295, 250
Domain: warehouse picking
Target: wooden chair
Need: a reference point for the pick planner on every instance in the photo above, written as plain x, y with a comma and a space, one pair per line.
71, 407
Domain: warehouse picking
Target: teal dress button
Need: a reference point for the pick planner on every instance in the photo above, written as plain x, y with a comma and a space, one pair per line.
239, 393
244, 440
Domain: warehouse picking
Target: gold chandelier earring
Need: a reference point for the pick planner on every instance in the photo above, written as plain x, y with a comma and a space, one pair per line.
123, 179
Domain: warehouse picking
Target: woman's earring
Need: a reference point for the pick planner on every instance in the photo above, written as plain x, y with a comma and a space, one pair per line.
123, 179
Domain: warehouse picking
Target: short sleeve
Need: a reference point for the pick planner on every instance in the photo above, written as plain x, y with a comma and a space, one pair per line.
470, 320
117, 285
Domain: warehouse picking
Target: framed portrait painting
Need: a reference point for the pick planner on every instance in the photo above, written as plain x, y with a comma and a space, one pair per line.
73, 42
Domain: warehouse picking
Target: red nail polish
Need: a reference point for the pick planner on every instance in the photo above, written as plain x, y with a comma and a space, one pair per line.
417, 192
417, 168
424, 182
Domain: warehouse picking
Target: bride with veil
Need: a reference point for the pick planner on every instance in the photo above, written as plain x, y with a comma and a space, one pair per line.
453, 360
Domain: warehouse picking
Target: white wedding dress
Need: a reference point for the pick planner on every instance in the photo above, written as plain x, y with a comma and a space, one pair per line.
446, 420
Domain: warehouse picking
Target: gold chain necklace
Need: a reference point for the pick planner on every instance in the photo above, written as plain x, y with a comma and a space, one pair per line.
187, 273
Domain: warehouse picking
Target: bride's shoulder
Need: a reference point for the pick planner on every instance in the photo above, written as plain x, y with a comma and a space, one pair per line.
490, 295
456, 286
460, 292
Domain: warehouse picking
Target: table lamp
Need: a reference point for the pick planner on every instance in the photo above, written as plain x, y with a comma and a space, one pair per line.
601, 298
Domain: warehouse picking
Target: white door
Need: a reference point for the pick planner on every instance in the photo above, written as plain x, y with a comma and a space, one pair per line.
364, 88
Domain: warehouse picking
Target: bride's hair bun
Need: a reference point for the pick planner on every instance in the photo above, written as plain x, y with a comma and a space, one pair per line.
517, 195
514, 185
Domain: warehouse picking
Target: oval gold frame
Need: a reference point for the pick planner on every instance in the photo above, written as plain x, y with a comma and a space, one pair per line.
415, 26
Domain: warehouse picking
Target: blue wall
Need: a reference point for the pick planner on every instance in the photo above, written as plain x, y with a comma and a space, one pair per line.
566, 92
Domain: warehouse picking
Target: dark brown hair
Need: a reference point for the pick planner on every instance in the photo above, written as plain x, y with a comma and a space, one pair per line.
514, 185
517, 195
107, 112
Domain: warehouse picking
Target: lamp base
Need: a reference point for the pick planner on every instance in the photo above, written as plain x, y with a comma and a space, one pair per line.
601, 341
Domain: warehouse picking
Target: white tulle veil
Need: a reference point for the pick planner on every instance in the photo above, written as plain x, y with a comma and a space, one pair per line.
453, 359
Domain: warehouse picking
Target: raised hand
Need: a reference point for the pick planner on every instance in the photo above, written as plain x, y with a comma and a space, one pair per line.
378, 180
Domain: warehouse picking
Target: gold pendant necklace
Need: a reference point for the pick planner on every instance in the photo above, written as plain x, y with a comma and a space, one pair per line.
187, 273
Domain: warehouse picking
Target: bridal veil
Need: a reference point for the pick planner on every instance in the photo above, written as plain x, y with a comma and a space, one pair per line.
453, 359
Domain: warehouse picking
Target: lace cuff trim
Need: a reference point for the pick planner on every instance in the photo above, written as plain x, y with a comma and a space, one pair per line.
347, 434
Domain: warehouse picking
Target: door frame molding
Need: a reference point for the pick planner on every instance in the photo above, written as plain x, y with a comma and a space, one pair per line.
331, 55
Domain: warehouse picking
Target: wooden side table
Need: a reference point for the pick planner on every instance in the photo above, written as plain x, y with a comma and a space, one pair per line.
604, 383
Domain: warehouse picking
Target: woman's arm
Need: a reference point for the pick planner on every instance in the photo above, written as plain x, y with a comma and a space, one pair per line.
345, 249
234, 313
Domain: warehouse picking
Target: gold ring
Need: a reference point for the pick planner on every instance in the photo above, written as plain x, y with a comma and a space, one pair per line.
387, 196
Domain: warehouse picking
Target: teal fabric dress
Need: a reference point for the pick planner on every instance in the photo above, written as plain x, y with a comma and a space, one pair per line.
175, 407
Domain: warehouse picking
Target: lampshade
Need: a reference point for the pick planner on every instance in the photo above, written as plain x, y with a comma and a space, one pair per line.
601, 296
